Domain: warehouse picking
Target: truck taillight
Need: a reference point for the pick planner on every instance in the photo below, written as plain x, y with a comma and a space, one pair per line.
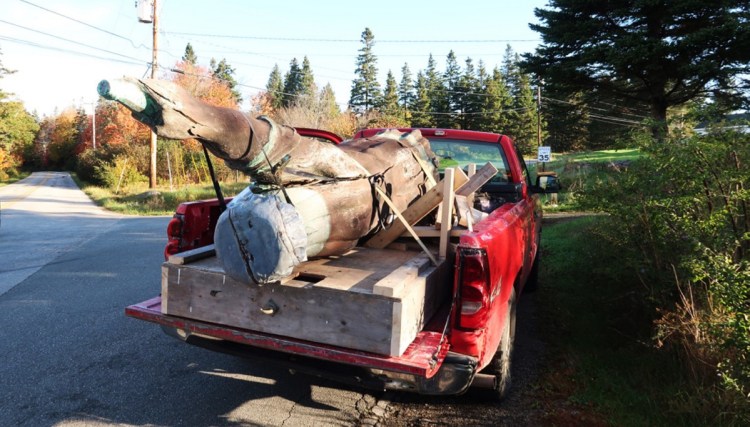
174, 236
474, 288
174, 228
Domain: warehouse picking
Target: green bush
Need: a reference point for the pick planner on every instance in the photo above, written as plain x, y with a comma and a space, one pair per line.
681, 215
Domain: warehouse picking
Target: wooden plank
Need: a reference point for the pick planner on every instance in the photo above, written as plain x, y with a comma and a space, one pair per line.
430, 231
416, 211
459, 174
393, 284
471, 170
405, 223
419, 300
477, 180
447, 214
192, 255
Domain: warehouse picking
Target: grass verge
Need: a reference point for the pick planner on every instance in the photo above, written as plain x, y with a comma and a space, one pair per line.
15, 178
140, 200
598, 331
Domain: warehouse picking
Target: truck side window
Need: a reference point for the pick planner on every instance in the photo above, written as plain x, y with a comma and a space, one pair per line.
524, 168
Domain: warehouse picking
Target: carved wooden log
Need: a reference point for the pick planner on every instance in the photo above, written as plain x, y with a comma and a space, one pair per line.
308, 198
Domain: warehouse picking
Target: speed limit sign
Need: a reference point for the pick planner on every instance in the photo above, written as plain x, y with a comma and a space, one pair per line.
544, 154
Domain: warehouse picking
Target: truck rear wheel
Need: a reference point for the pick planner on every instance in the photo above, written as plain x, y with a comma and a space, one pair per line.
501, 362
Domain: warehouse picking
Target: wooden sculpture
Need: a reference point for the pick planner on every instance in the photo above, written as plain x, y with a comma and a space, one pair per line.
307, 198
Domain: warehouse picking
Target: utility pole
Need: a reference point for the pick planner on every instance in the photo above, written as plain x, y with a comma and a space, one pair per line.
93, 125
539, 114
152, 168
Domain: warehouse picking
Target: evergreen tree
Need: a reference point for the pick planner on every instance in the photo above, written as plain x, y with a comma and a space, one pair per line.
328, 101
365, 91
661, 53
406, 87
470, 102
567, 118
189, 55
522, 116
389, 103
292, 84
421, 110
275, 88
495, 104
225, 73
439, 102
454, 94
307, 79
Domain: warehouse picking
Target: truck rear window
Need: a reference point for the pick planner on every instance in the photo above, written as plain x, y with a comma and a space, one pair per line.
460, 153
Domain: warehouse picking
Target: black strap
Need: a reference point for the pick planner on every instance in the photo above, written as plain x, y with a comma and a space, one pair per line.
217, 188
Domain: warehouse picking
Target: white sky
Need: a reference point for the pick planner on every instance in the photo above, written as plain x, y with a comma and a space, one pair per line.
62, 67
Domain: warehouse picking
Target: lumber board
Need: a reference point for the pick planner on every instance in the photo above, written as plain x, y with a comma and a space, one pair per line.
446, 217
416, 211
477, 180
192, 255
370, 300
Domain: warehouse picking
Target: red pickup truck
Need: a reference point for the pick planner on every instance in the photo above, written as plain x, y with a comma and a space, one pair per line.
469, 339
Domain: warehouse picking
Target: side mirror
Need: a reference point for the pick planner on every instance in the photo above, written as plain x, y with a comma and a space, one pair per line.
548, 183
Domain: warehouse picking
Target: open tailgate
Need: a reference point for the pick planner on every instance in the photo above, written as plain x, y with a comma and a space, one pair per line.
423, 357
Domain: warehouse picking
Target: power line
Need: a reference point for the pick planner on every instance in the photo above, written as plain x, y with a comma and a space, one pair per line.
69, 40
326, 40
59, 49
86, 24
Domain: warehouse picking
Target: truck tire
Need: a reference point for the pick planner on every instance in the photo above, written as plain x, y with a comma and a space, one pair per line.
500, 366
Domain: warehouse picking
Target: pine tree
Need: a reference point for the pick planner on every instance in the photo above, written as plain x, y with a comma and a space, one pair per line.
406, 87
439, 102
292, 84
661, 53
189, 55
523, 117
454, 93
307, 79
494, 117
225, 73
421, 110
328, 101
470, 101
365, 92
275, 88
389, 105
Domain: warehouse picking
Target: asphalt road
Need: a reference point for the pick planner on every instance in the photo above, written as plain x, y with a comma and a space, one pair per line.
71, 357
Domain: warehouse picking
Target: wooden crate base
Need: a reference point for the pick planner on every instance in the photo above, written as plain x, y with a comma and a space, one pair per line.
374, 300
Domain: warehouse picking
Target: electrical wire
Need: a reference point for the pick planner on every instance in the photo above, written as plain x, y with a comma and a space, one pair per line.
73, 52
324, 40
86, 24
69, 40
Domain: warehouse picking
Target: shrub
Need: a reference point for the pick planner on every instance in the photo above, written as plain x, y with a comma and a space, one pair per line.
681, 215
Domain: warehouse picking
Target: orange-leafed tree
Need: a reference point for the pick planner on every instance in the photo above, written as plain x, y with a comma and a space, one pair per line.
63, 138
201, 83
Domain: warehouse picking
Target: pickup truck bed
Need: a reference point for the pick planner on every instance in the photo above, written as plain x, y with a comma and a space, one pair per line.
374, 300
